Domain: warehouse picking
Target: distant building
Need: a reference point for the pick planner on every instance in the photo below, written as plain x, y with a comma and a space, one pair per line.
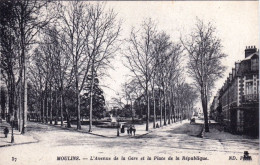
238, 97
214, 111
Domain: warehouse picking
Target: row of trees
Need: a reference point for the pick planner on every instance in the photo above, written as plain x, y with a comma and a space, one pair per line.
53, 55
131, 103
155, 62
156, 82
76, 49
204, 50
60, 57
19, 26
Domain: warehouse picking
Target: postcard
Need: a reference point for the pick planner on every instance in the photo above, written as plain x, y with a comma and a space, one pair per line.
129, 82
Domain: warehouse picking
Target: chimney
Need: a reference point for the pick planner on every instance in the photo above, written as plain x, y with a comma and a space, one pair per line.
237, 66
249, 50
230, 77
233, 72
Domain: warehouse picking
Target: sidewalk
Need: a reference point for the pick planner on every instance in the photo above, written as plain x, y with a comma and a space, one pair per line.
140, 130
112, 132
217, 132
106, 132
18, 137
96, 131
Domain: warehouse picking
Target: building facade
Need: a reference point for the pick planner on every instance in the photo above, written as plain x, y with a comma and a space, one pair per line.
238, 98
214, 113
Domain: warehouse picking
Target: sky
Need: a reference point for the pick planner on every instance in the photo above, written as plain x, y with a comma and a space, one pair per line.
236, 22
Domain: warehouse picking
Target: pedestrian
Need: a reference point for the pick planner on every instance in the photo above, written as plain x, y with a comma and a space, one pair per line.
123, 129
131, 129
6, 131
134, 129
128, 130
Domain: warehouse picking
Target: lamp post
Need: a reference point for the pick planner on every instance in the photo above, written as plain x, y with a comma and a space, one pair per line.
12, 124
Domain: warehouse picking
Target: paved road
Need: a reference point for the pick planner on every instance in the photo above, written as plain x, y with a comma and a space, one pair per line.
176, 139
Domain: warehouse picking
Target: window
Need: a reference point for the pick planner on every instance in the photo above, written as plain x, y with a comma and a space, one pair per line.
254, 64
249, 88
249, 77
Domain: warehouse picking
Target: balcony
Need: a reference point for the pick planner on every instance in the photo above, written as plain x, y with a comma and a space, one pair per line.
250, 98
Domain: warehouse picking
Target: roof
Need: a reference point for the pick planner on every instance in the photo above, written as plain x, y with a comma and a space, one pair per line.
251, 55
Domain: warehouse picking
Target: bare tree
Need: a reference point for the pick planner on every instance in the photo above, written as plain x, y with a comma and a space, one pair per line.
9, 49
161, 53
130, 93
25, 27
102, 43
205, 54
173, 69
28, 25
167, 56
37, 76
90, 34
140, 57
74, 25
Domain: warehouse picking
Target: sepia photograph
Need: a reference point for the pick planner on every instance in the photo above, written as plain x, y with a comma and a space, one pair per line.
129, 82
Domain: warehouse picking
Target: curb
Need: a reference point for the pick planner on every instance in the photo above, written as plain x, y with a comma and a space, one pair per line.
14, 144
73, 129
141, 135
36, 140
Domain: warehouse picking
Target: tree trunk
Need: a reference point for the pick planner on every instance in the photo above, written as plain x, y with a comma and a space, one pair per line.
1, 96
132, 113
170, 110
154, 109
91, 98
51, 104
61, 107
17, 108
78, 110
47, 105
3, 100
160, 102
56, 108
178, 112
20, 107
68, 118
90, 112
205, 111
78, 94
148, 107
141, 111
11, 95
174, 116
43, 107
25, 96
165, 108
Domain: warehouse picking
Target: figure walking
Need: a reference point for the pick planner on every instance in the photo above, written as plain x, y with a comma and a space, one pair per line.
6, 131
134, 129
131, 129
